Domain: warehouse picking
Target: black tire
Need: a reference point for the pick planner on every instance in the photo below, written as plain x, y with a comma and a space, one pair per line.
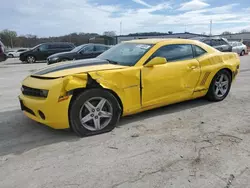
30, 59
11, 56
242, 53
79, 101
211, 94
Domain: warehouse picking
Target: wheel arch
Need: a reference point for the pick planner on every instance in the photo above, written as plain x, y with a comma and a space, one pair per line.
228, 70
78, 91
224, 68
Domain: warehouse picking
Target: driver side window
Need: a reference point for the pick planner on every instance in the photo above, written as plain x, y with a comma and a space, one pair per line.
175, 52
43, 47
88, 49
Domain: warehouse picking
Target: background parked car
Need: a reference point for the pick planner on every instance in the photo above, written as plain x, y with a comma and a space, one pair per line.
42, 51
239, 48
218, 43
3, 56
16, 53
84, 51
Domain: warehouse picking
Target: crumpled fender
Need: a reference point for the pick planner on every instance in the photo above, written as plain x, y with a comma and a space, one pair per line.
75, 81
125, 83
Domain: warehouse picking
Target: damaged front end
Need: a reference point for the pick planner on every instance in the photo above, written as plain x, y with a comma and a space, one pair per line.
124, 85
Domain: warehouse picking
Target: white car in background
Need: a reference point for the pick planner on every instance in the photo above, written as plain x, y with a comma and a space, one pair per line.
239, 48
15, 53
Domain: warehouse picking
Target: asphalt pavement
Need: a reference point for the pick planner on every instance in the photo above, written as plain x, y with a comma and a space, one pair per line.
191, 144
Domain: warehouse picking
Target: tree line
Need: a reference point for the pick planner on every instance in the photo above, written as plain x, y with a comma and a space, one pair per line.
11, 39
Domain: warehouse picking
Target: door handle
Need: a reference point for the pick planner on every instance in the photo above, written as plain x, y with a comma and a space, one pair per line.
192, 67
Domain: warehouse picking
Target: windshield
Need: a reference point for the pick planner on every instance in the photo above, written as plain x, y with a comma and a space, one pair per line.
35, 46
76, 49
126, 54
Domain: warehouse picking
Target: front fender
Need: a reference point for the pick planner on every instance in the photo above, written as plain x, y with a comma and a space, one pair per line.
75, 82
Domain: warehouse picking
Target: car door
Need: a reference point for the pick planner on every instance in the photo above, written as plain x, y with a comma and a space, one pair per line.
86, 52
235, 47
225, 46
99, 49
215, 43
171, 82
53, 49
239, 47
40, 52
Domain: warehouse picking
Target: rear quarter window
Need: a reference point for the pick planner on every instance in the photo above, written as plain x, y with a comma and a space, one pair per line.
198, 51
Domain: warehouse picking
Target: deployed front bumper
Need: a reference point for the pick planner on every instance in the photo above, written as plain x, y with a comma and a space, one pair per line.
49, 111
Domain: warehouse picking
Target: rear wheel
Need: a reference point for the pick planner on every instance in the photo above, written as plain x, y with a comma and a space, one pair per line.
242, 53
220, 86
93, 112
10, 55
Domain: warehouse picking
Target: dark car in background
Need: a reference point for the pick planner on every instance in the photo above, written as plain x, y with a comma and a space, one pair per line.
44, 50
3, 56
84, 51
218, 43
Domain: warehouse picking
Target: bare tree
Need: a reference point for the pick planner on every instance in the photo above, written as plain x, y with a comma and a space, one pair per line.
244, 31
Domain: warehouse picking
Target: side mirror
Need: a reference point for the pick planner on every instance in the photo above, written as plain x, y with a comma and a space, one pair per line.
156, 61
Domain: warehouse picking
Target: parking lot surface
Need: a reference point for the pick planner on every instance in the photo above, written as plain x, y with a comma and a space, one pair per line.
191, 144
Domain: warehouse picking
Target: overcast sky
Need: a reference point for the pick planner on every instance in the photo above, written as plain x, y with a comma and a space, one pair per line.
53, 18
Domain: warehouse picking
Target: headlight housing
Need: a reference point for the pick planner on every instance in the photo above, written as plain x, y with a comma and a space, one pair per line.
34, 92
54, 58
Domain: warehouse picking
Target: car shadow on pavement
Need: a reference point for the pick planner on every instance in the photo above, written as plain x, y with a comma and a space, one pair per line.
164, 110
19, 134
16, 61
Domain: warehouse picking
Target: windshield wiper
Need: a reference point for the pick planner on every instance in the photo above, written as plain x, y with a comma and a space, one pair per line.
112, 62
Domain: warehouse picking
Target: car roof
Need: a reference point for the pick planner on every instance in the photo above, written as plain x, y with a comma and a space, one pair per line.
56, 43
160, 40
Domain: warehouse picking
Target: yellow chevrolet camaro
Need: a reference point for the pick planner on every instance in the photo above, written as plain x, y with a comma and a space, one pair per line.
89, 96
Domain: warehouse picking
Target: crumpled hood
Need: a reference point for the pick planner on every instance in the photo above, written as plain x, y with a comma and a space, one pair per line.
75, 67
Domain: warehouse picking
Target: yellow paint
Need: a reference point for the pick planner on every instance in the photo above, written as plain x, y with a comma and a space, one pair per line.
173, 81
83, 69
75, 82
156, 61
139, 87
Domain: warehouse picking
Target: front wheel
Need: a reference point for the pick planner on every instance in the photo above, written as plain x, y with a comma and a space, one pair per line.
242, 53
220, 86
30, 59
93, 112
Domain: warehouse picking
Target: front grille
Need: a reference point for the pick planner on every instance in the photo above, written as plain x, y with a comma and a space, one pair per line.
34, 92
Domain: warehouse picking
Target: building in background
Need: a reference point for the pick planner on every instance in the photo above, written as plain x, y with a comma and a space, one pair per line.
107, 40
241, 37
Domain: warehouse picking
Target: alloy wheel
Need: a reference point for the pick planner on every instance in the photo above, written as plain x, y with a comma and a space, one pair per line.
221, 85
30, 59
96, 113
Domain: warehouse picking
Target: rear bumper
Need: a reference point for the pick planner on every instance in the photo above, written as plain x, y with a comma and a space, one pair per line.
49, 111
3, 57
